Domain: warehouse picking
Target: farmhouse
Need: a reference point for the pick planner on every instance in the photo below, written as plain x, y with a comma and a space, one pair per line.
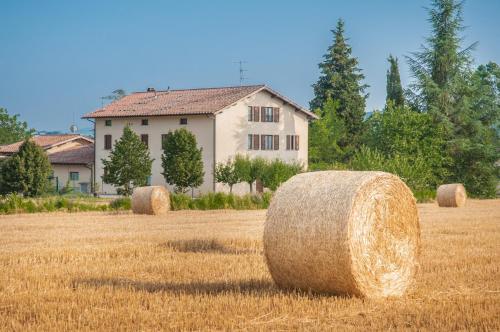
253, 120
71, 157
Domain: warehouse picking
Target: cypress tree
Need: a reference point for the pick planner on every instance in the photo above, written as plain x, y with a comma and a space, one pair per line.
341, 81
394, 88
129, 163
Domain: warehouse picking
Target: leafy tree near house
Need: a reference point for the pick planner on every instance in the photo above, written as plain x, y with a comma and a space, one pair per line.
250, 170
399, 133
12, 129
465, 102
277, 172
227, 173
27, 171
394, 87
182, 160
129, 163
341, 80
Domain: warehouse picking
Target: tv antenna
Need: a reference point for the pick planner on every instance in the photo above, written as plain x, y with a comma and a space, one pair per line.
242, 71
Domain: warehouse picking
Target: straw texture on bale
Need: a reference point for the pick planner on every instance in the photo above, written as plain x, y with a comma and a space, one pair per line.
451, 195
344, 233
153, 200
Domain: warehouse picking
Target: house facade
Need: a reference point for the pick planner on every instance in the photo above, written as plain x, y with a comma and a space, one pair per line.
246, 120
71, 157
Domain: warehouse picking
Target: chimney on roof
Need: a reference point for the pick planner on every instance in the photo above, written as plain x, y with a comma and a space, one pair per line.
151, 90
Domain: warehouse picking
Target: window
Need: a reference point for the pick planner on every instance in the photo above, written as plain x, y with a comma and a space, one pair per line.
292, 142
74, 176
107, 123
163, 139
148, 181
267, 142
270, 114
253, 142
183, 121
267, 114
107, 142
145, 139
250, 113
253, 114
144, 122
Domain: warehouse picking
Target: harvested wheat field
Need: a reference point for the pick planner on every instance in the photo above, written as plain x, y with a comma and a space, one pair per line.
195, 270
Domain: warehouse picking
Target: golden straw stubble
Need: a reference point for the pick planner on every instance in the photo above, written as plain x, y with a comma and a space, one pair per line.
343, 232
451, 195
154, 200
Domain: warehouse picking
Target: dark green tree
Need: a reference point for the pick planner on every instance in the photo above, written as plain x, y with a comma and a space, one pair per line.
341, 80
27, 171
12, 129
394, 88
129, 163
182, 160
227, 173
325, 136
458, 99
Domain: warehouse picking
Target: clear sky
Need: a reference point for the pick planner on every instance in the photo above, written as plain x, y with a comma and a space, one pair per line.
58, 58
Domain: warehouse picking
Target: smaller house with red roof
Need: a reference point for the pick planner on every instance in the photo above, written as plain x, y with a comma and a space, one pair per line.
71, 157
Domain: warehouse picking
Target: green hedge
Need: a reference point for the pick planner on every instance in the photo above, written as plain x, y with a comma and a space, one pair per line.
14, 203
218, 201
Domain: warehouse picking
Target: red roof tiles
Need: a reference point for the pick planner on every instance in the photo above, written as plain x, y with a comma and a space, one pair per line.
45, 141
180, 102
81, 155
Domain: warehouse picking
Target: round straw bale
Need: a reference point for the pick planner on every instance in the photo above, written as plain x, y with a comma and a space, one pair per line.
344, 233
451, 195
150, 200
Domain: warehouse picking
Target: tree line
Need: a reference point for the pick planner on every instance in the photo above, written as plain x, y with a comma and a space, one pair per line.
442, 128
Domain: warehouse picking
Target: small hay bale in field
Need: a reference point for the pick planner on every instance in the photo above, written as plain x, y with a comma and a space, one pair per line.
345, 233
451, 195
150, 200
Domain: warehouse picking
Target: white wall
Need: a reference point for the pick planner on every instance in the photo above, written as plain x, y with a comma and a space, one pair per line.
200, 125
233, 128
62, 174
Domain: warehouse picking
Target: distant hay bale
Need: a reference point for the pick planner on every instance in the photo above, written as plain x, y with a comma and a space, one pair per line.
451, 195
345, 233
153, 200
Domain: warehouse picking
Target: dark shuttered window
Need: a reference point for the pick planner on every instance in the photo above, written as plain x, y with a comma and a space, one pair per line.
145, 139
107, 142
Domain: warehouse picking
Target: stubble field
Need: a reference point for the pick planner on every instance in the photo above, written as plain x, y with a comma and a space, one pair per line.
195, 270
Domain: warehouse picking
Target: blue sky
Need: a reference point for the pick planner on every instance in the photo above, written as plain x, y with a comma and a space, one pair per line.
58, 58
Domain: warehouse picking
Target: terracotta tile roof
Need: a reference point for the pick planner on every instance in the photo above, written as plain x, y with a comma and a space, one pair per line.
45, 141
82, 155
180, 102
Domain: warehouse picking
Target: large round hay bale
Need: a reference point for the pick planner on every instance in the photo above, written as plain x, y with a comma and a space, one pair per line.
451, 195
150, 200
345, 233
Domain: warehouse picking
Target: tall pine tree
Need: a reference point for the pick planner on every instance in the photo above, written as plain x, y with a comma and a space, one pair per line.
341, 81
448, 88
394, 88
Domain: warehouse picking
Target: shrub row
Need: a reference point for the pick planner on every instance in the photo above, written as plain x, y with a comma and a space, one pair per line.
217, 201
14, 203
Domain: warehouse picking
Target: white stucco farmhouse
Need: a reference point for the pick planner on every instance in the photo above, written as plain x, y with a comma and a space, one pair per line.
249, 120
